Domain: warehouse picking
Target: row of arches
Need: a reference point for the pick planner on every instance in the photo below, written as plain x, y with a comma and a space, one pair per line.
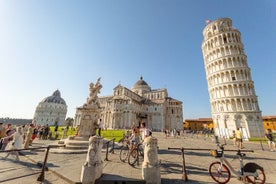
221, 39
232, 105
225, 63
215, 27
223, 51
156, 95
231, 90
225, 76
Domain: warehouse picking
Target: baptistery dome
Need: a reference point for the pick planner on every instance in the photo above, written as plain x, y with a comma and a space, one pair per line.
51, 110
54, 98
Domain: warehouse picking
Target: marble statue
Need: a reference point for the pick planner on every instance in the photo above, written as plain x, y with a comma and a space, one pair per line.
94, 91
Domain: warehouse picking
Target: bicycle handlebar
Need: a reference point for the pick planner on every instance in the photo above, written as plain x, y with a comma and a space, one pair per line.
235, 150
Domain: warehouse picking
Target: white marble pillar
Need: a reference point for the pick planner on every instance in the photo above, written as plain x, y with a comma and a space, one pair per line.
93, 167
150, 166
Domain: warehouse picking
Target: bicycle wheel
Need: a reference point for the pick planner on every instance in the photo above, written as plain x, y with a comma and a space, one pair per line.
124, 153
133, 157
219, 173
257, 178
140, 157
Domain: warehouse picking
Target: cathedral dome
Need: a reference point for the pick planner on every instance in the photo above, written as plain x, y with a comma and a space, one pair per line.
55, 98
140, 86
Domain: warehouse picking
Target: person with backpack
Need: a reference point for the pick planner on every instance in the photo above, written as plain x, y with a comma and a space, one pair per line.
270, 141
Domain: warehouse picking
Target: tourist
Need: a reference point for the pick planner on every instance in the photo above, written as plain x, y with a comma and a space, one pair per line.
2, 134
34, 135
239, 138
270, 141
16, 143
56, 131
8, 131
2, 131
165, 131
144, 131
25, 130
100, 127
45, 132
29, 136
134, 138
234, 138
40, 132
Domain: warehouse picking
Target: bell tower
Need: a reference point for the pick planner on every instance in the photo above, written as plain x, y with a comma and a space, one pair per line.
234, 103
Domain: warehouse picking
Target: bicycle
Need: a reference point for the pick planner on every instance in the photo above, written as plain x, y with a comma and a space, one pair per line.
220, 170
125, 149
136, 154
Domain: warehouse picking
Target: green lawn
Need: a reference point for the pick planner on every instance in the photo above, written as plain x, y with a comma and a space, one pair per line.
111, 134
107, 134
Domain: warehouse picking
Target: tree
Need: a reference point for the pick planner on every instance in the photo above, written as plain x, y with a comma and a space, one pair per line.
69, 122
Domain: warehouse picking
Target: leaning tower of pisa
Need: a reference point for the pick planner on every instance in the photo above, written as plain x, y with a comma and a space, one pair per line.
233, 100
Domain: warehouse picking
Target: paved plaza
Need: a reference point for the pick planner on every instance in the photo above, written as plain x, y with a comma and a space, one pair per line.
66, 168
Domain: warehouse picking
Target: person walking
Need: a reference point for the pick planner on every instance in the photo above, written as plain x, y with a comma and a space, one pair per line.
270, 141
8, 132
234, 138
16, 143
239, 137
29, 136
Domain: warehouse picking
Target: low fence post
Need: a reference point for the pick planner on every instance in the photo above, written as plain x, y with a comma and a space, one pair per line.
106, 154
184, 174
113, 144
41, 176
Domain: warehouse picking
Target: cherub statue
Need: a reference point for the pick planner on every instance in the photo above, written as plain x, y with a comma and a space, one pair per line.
94, 90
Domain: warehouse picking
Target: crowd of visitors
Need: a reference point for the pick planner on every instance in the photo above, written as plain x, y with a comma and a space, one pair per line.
18, 137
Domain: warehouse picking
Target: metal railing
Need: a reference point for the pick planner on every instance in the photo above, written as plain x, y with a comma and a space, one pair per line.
41, 177
107, 148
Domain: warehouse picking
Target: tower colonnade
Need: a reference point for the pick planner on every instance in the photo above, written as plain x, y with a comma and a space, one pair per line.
233, 100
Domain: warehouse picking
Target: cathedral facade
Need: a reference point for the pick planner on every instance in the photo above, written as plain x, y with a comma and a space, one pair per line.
129, 107
51, 110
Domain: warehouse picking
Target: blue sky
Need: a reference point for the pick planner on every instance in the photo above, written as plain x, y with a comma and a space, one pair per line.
65, 45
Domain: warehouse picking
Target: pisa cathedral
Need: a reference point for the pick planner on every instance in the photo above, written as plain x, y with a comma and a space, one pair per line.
128, 107
234, 103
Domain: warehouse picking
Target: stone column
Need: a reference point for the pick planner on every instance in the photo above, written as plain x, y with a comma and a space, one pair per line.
150, 166
93, 167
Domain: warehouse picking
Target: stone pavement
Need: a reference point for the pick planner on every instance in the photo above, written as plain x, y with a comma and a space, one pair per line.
66, 168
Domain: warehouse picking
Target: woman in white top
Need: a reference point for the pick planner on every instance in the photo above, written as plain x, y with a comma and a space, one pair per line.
16, 143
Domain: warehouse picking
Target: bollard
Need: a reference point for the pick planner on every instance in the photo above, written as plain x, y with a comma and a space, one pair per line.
93, 167
151, 166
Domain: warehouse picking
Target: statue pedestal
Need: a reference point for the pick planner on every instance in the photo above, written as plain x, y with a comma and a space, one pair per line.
88, 116
150, 166
88, 120
93, 167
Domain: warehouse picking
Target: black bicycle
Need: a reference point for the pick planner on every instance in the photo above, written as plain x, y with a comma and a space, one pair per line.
136, 155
